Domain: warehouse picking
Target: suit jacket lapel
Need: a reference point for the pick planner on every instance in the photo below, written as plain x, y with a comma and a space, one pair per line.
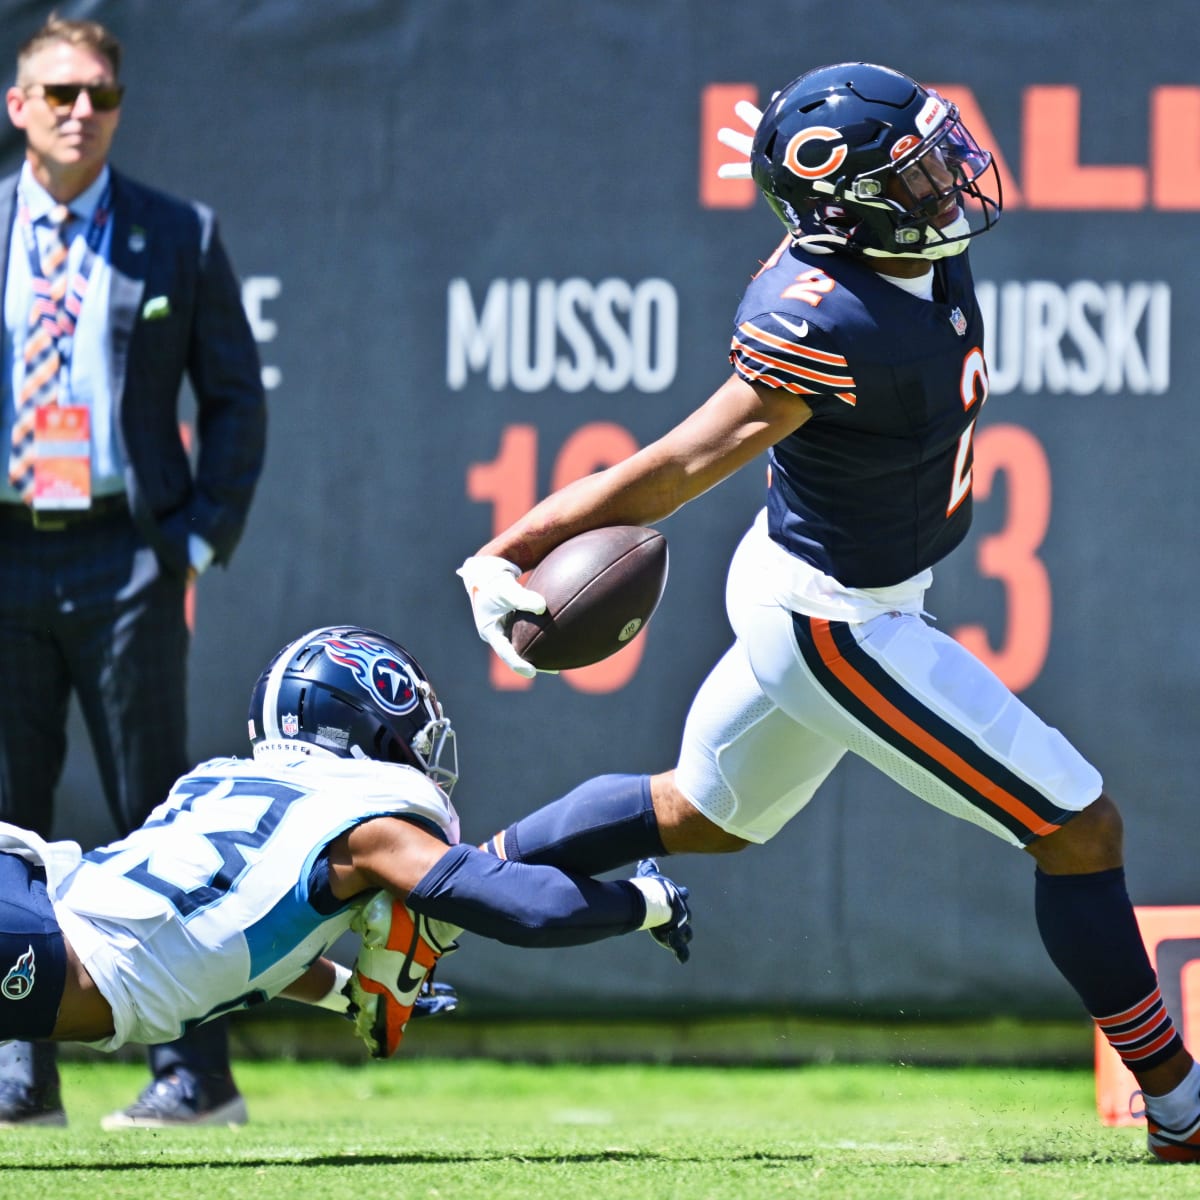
129, 255
8, 210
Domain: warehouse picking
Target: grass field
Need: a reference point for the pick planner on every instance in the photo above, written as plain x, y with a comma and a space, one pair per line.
472, 1129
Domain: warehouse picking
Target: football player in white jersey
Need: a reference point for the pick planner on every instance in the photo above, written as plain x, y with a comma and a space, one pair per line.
236, 885
858, 370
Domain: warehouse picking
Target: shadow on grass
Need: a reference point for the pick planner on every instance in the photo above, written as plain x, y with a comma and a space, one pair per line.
400, 1160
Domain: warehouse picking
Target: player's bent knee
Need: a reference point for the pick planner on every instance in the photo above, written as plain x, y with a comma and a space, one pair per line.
1091, 841
683, 828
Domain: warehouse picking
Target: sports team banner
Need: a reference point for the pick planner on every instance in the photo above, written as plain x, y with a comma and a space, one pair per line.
485, 250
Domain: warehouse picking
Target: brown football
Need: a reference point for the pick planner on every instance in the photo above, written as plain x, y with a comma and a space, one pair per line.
601, 588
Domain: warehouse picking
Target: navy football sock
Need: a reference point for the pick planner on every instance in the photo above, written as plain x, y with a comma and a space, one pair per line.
602, 824
1091, 934
524, 905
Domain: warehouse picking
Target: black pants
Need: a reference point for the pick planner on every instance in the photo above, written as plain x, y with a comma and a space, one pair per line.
89, 610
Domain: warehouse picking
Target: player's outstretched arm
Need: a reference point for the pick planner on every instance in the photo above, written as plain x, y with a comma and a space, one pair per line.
735, 425
515, 903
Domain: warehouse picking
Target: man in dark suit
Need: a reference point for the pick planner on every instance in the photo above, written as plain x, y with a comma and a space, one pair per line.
113, 294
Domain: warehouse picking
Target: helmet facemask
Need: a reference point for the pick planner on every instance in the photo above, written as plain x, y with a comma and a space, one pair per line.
900, 203
434, 741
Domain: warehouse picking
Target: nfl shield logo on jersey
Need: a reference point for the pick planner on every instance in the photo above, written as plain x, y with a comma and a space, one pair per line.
290, 724
958, 321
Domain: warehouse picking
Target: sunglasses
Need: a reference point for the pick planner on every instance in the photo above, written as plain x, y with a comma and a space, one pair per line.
104, 97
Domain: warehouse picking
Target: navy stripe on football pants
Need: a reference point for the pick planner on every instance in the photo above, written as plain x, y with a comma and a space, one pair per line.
881, 703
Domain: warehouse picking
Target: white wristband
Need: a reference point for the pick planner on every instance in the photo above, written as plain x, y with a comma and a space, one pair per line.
336, 999
658, 902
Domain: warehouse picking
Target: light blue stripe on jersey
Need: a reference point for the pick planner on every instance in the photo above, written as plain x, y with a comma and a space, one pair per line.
290, 922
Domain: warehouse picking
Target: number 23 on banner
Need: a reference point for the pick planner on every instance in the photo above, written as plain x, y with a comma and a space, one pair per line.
1010, 556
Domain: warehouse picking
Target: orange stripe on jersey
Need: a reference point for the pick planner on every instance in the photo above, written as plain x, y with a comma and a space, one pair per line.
762, 335
907, 728
747, 372
792, 368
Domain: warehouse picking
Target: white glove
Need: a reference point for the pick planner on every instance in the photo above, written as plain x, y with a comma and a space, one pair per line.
495, 593
741, 142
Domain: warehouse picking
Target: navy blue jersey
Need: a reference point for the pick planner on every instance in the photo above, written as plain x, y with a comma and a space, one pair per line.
876, 485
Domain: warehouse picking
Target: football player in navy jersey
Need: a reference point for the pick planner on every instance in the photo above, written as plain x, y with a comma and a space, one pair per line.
236, 885
858, 370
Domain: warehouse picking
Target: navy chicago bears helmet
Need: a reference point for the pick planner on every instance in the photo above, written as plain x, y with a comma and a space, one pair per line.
861, 158
352, 693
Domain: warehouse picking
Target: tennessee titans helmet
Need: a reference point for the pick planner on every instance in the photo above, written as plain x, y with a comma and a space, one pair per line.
863, 159
352, 693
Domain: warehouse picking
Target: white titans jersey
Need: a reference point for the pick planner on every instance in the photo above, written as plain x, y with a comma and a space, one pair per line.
205, 908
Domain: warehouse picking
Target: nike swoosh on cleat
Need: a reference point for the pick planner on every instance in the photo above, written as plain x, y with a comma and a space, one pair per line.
408, 985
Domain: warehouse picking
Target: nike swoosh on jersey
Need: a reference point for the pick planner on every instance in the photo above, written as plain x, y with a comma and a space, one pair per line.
800, 330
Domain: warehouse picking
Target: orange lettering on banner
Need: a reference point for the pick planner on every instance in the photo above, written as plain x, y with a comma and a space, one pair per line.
1050, 167
1011, 554
717, 102
1175, 148
1052, 177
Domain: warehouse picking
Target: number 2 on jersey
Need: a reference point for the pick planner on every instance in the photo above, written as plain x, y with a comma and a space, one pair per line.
973, 387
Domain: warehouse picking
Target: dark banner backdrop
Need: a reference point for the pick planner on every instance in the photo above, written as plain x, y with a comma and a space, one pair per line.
484, 251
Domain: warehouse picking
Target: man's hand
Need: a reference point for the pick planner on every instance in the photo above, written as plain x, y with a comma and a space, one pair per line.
495, 594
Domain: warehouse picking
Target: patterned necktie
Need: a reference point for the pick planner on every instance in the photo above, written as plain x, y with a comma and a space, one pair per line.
41, 353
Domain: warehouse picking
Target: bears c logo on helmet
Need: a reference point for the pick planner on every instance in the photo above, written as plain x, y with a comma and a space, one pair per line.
818, 133
377, 672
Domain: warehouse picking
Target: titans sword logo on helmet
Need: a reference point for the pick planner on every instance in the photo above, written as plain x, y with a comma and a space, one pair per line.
385, 677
